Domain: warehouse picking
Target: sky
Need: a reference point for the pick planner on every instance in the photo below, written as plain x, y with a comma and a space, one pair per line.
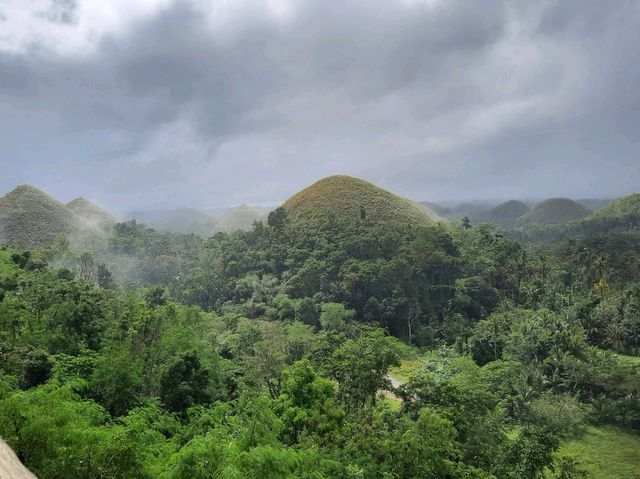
206, 103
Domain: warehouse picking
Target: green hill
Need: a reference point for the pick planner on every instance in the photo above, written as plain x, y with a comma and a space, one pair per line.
554, 211
92, 213
240, 218
504, 214
344, 197
30, 217
626, 209
621, 213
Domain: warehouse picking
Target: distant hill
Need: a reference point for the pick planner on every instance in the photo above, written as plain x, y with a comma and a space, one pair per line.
473, 210
344, 197
504, 214
594, 203
240, 218
440, 210
180, 220
92, 213
30, 217
618, 215
554, 211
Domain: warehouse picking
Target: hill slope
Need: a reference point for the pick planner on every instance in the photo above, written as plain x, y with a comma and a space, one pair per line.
441, 211
594, 203
554, 211
621, 213
344, 197
623, 209
240, 218
505, 213
92, 213
30, 217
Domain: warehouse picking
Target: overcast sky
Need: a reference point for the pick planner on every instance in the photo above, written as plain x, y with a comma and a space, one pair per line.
162, 103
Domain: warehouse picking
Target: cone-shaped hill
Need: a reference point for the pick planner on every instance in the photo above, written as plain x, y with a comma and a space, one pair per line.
505, 213
554, 211
240, 218
92, 213
347, 198
30, 217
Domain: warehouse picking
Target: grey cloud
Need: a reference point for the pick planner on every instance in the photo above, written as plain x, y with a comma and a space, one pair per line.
62, 12
462, 100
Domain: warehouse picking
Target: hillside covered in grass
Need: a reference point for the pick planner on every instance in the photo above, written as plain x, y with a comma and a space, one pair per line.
505, 213
30, 217
606, 453
554, 211
621, 213
92, 214
240, 218
352, 199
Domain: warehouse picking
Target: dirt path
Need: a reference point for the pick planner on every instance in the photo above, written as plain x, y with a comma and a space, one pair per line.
396, 383
10, 465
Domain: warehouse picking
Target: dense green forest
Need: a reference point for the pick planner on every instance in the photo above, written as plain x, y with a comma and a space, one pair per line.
265, 353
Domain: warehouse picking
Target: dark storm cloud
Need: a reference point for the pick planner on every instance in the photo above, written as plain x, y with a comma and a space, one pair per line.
435, 100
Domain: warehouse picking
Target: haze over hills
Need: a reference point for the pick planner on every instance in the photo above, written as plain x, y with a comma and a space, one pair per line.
454, 209
30, 217
519, 212
92, 213
622, 214
348, 198
204, 223
180, 220
240, 218
440, 210
503, 214
554, 211
594, 203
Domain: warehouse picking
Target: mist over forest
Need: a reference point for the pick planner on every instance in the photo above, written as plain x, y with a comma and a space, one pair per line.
301, 239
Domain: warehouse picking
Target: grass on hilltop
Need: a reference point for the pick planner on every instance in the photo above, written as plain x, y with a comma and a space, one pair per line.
554, 211
352, 199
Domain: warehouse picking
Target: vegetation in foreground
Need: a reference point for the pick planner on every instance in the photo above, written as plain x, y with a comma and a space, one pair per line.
267, 355
606, 453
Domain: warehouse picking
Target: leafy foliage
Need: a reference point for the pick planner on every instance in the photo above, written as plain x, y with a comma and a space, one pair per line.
266, 353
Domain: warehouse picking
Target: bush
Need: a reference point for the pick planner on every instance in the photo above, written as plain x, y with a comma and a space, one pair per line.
563, 414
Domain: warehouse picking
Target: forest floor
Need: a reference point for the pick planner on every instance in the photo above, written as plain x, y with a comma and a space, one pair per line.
10, 465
